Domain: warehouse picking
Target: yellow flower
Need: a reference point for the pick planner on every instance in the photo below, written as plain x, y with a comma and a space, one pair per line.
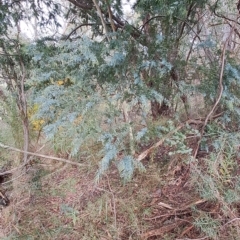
35, 124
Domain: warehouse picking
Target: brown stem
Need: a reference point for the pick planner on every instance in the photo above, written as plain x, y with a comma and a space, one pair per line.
23, 103
110, 16
220, 85
101, 17
41, 155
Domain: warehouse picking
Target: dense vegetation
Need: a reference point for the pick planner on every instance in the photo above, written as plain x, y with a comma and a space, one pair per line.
100, 85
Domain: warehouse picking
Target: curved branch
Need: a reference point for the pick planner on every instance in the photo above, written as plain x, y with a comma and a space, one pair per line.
222, 16
162, 16
220, 85
75, 29
184, 23
150, 19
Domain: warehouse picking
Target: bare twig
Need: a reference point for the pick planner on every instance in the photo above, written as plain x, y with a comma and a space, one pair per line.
159, 143
166, 228
192, 5
162, 16
177, 211
19, 167
75, 29
101, 17
13, 179
114, 207
187, 230
235, 219
162, 204
222, 16
41, 155
192, 238
220, 85
110, 16
85, 6
192, 44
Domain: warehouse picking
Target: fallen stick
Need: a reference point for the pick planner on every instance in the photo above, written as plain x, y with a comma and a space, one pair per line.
165, 229
159, 143
41, 155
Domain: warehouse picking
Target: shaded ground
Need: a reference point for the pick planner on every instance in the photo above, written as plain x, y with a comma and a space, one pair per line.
64, 202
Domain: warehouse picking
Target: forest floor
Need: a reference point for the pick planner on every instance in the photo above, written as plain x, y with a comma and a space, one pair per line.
60, 201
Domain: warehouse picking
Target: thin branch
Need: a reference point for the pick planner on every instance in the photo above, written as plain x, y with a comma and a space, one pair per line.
166, 228
184, 23
120, 23
192, 44
222, 16
101, 17
21, 166
235, 29
114, 203
8, 55
192, 238
75, 29
114, 207
159, 143
219, 94
110, 16
162, 16
13, 179
235, 219
41, 155
152, 18
145, 153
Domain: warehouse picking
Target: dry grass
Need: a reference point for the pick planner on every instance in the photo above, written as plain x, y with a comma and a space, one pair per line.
58, 201
55, 201
63, 202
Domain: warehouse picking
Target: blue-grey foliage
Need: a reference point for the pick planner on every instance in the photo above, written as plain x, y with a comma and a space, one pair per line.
102, 76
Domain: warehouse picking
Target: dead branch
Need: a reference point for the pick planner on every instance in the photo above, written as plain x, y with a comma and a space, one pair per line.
235, 219
76, 28
110, 16
159, 143
165, 229
186, 230
176, 211
222, 16
19, 167
145, 153
101, 17
193, 238
165, 205
220, 85
42, 156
